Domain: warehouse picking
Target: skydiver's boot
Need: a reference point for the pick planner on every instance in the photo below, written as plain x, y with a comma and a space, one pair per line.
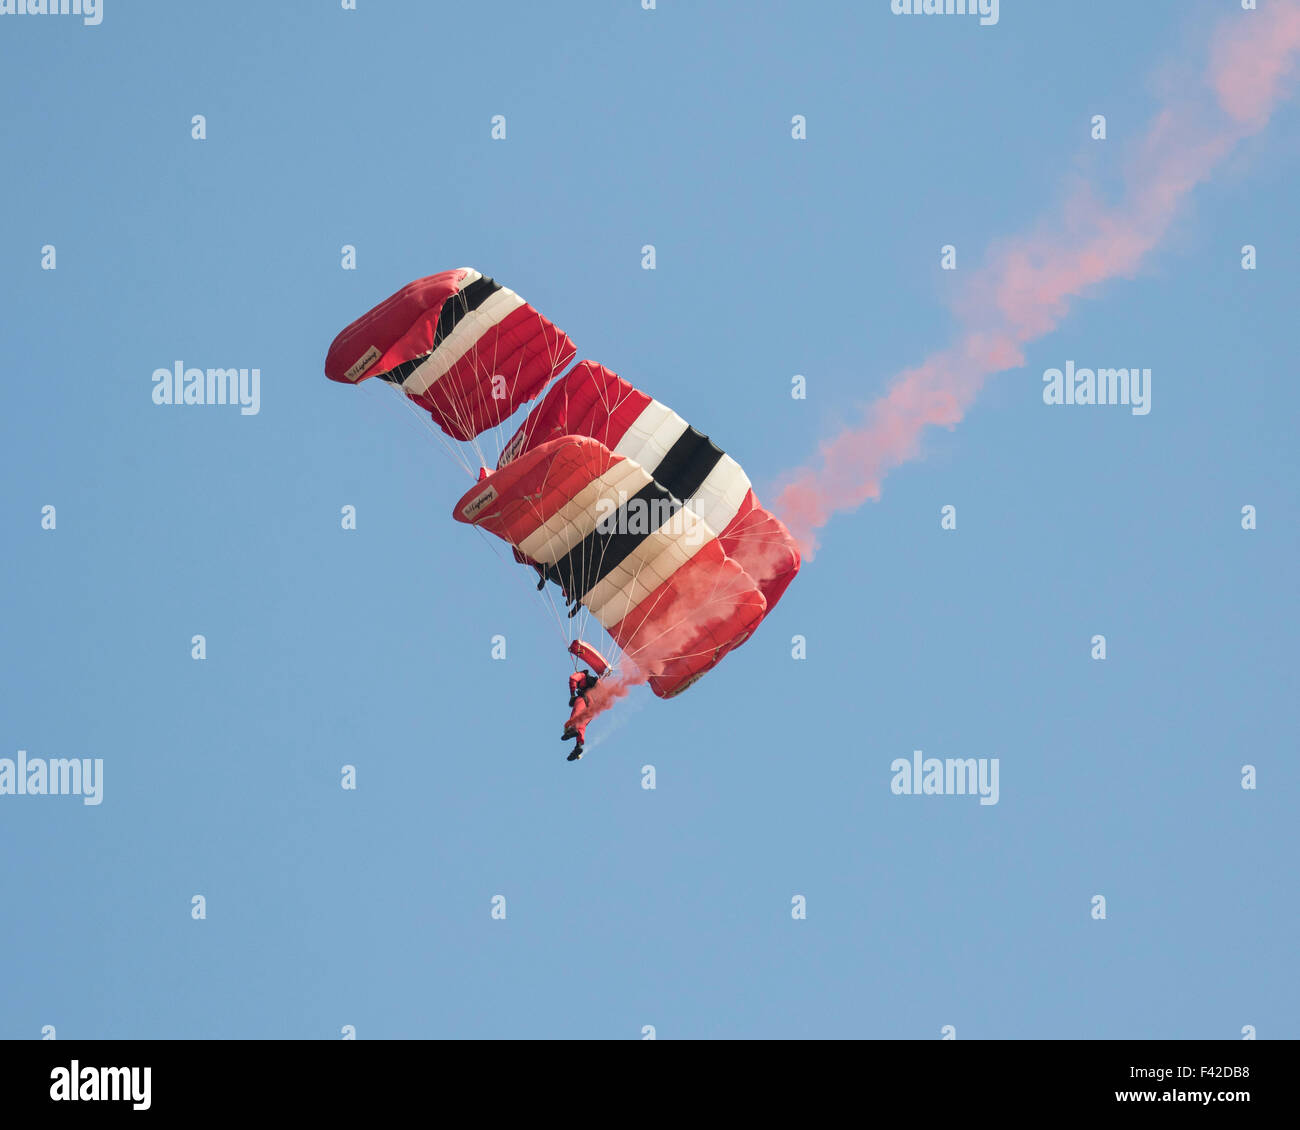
576, 755
569, 732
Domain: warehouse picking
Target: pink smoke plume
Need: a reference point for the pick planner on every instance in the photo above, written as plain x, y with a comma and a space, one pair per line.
1029, 283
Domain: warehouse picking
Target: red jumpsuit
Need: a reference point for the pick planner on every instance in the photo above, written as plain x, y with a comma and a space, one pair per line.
577, 723
580, 682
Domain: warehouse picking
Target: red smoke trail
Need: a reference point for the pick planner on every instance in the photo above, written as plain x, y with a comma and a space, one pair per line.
1029, 283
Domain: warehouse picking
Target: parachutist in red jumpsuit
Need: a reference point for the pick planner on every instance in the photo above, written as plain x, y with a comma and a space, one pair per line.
580, 682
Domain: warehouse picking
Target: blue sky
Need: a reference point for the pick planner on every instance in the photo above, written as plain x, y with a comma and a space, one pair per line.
628, 907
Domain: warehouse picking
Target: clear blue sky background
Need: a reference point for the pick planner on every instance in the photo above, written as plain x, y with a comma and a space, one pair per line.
629, 907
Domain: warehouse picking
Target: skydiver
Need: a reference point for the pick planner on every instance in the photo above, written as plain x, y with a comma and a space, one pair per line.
580, 682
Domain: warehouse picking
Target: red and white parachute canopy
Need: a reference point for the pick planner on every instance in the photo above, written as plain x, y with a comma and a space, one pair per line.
648, 526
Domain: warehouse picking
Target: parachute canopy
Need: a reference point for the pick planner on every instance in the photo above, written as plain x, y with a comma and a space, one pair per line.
463, 347
642, 520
